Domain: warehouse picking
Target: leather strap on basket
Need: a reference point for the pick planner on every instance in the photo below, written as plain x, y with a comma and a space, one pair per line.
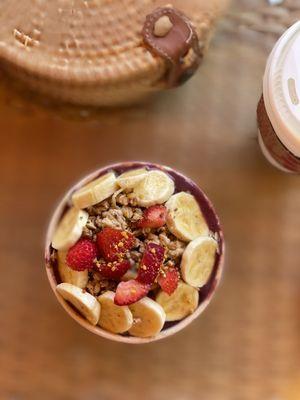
175, 45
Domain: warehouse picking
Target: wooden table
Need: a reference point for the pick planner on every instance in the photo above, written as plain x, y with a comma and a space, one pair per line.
246, 345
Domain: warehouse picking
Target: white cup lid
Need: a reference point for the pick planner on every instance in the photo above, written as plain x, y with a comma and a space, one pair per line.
281, 88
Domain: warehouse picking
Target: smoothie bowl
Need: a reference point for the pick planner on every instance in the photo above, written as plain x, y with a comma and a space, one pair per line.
134, 252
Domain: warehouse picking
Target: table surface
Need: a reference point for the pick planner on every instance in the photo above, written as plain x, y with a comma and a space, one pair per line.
246, 345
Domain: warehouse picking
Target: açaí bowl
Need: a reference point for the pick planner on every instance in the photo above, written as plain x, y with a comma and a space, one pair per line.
182, 183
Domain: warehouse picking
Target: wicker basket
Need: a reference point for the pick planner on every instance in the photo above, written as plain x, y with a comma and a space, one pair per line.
91, 52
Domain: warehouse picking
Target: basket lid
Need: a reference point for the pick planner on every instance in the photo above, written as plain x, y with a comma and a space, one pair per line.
282, 89
86, 40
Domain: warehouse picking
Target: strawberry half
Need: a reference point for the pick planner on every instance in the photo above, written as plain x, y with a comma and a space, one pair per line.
114, 269
130, 292
114, 243
151, 262
168, 280
153, 217
82, 255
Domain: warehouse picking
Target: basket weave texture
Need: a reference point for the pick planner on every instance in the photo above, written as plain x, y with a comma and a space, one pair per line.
91, 51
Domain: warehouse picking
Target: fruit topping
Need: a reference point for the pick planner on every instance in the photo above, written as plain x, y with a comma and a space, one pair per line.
148, 318
130, 292
114, 318
198, 261
151, 262
181, 303
68, 275
185, 219
168, 280
113, 269
129, 179
95, 191
82, 255
83, 301
114, 243
153, 217
156, 188
70, 228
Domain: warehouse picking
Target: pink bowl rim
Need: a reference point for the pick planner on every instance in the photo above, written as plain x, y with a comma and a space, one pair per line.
180, 325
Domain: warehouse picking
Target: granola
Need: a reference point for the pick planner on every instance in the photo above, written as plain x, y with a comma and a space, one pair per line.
117, 212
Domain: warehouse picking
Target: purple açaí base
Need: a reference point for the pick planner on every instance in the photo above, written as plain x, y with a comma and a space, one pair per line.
182, 183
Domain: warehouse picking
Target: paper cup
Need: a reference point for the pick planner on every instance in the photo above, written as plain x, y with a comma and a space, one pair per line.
206, 293
278, 111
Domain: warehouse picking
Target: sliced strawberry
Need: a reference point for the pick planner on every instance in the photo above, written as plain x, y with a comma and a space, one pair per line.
113, 269
153, 217
168, 280
113, 243
81, 256
151, 262
130, 292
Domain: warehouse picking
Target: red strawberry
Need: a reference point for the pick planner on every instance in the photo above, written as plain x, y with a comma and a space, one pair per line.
153, 217
130, 292
82, 255
168, 280
113, 243
151, 262
114, 269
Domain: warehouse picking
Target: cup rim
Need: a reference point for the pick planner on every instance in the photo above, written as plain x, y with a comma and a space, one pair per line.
55, 218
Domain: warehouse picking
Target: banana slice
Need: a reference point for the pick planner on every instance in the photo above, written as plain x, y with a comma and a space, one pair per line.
155, 188
198, 261
69, 229
95, 191
130, 274
84, 302
68, 275
148, 318
181, 303
130, 179
113, 318
185, 219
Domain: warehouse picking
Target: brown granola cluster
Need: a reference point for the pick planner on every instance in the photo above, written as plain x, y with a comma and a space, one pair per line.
120, 211
97, 284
